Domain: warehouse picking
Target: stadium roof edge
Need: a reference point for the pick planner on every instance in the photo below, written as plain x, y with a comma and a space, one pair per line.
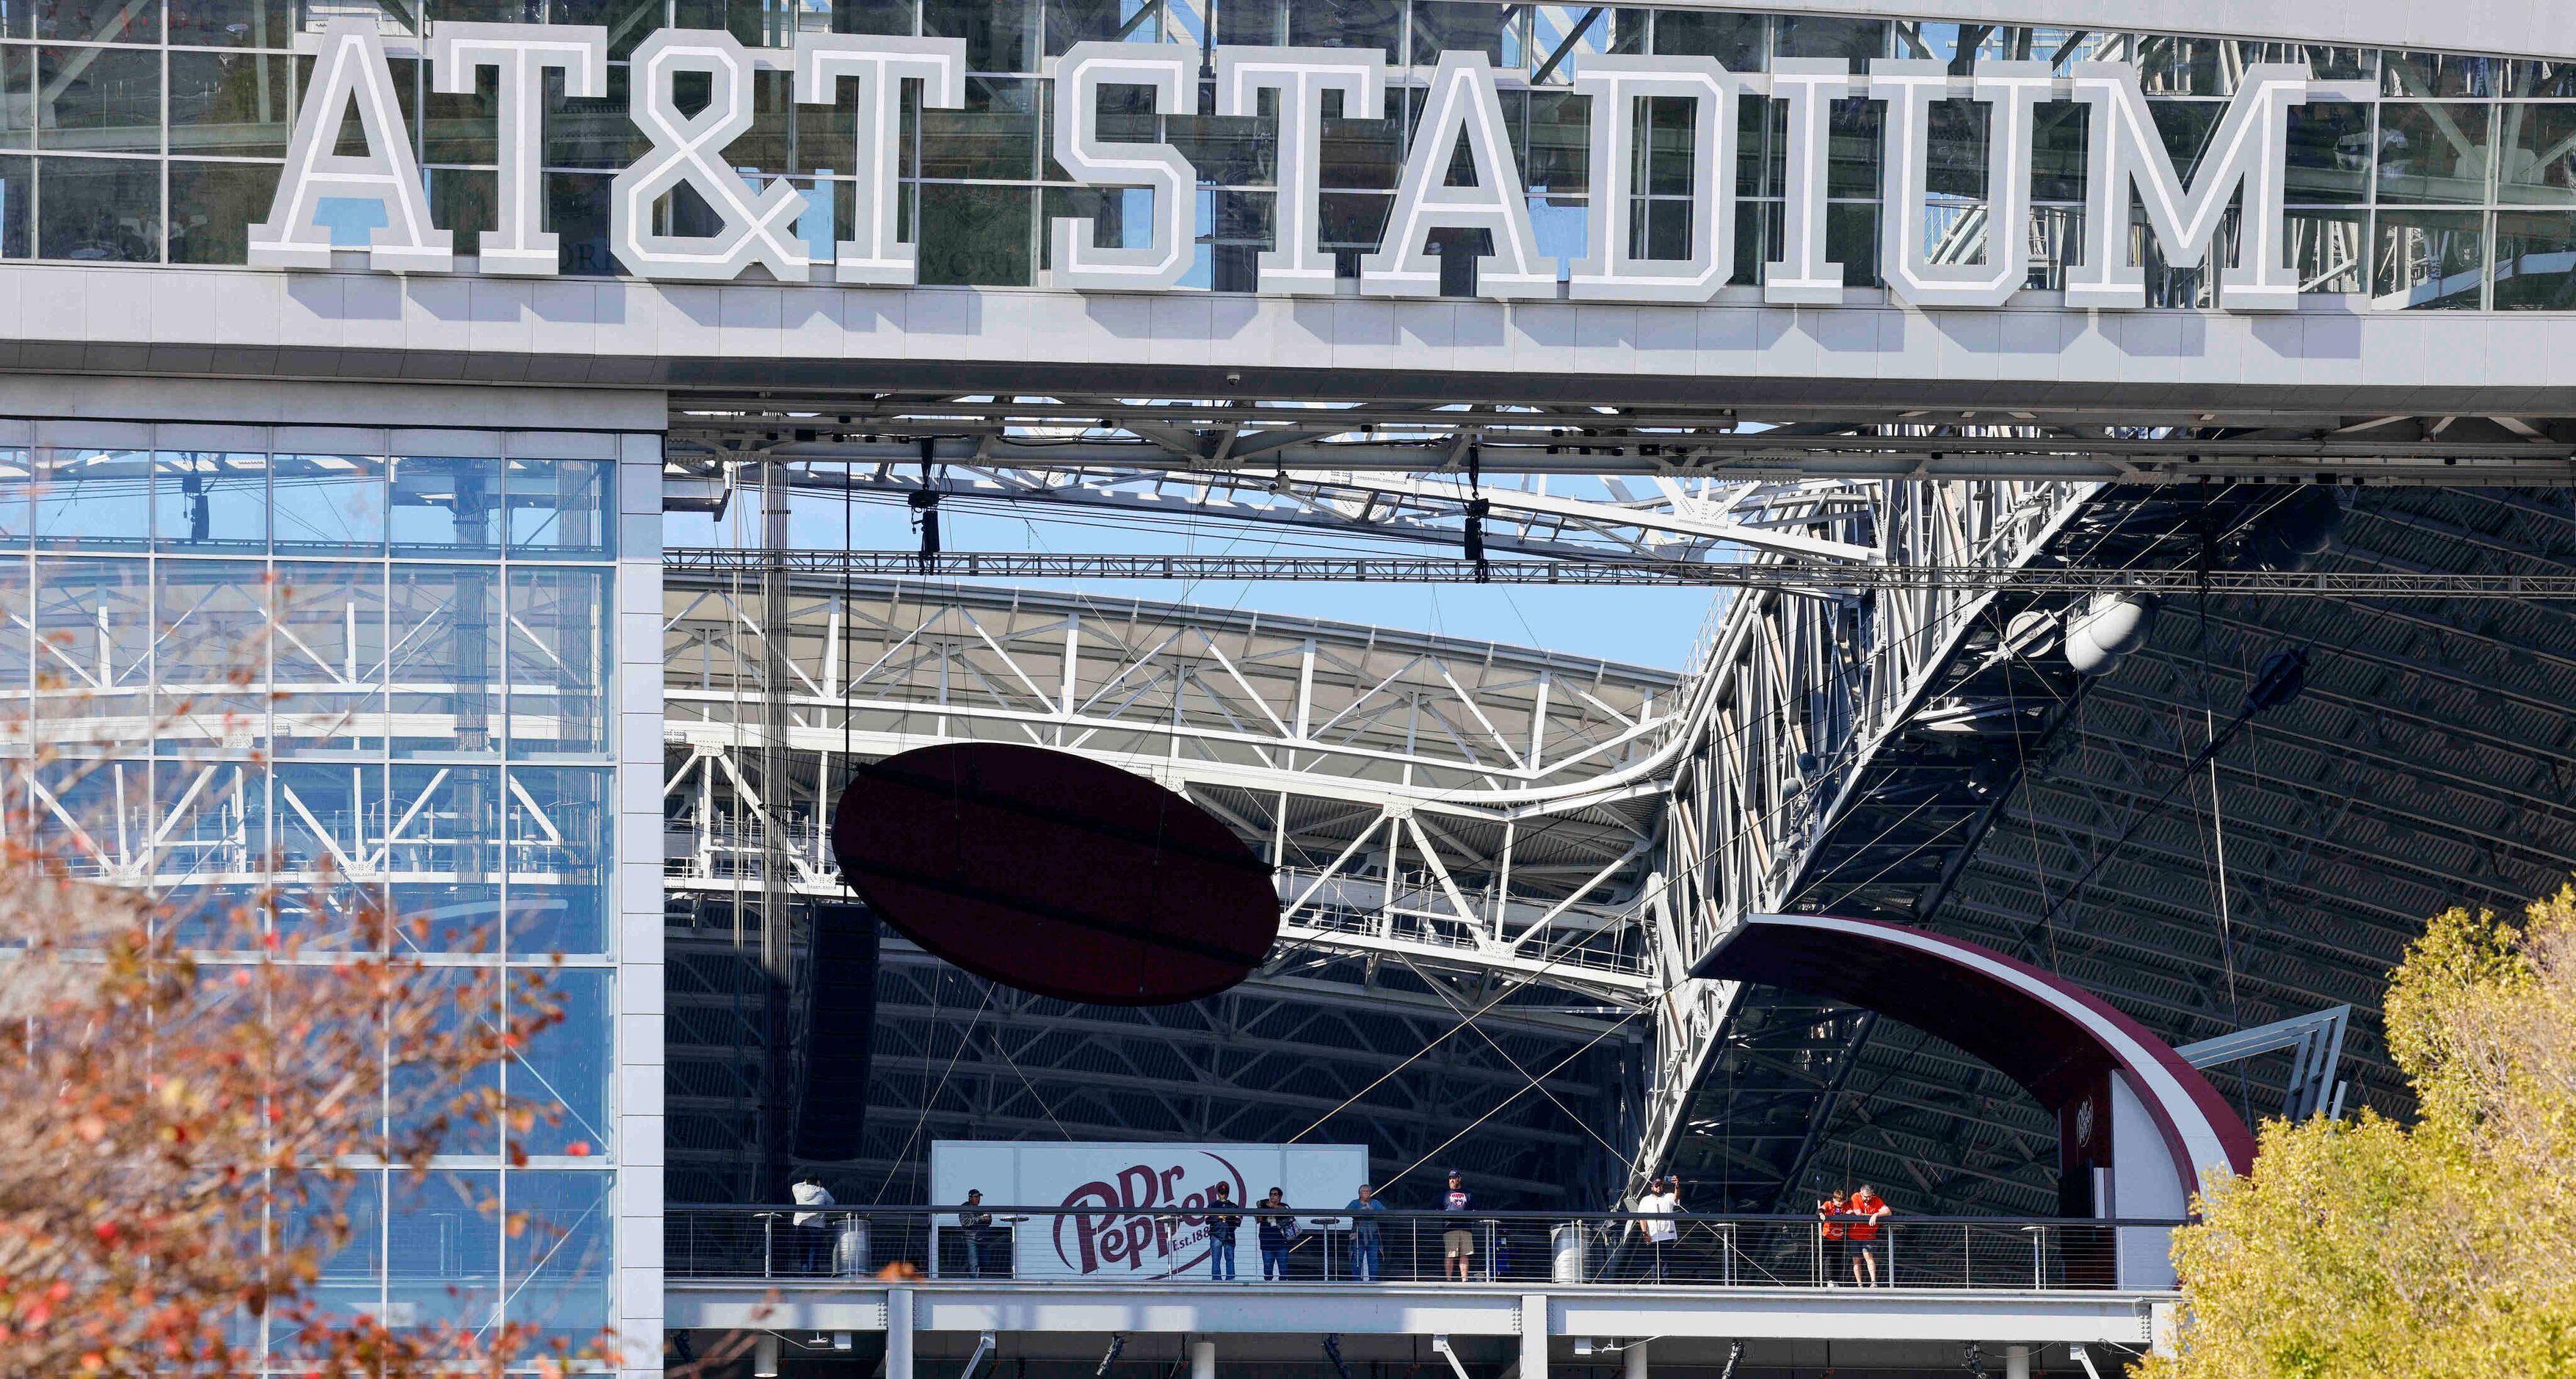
2519, 28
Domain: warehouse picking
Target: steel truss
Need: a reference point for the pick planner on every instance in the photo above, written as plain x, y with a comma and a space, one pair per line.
1455, 825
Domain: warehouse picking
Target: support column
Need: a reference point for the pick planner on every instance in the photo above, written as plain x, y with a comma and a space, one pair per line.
2016, 1362
898, 1333
1202, 1360
1632, 1361
1533, 1336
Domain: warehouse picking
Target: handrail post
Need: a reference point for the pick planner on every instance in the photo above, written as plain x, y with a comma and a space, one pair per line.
768, 1241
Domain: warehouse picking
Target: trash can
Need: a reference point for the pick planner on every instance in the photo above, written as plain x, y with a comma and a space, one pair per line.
1566, 1261
850, 1250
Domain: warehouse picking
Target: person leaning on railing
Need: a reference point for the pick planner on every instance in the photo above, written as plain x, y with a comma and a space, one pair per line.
1224, 1218
1366, 1247
1867, 1209
1833, 1238
1277, 1230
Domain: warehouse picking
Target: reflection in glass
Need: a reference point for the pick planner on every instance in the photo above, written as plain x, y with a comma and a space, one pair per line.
1106, 21
233, 23
443, 1249
444, 648
2433, 152
2439, 74
328, 504
17, 207
2329, 248
98, 21
1856, 40
1738, 41
98, 100
1467, 26
2428, 261
329, 834
972, 234
211, 621
560, 822
96, 500
563, 1075
17, 97
232, 105
994, 134
560, 509
445, 858
577, 211
1347, 24
2329, 154
557, 1272
446, 505
217, 203
100, 210
558, 666
2535, 261
997, 32
2539, 155
329, 658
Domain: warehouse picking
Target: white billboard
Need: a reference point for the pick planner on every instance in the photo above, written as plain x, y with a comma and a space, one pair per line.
1121, 1180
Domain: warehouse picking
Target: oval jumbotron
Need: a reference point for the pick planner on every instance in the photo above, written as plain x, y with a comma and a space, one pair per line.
1055, 874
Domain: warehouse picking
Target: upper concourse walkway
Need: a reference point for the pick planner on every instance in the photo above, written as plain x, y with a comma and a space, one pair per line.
1543, 1278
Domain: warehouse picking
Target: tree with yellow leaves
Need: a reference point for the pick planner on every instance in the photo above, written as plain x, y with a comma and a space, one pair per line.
2439, 1249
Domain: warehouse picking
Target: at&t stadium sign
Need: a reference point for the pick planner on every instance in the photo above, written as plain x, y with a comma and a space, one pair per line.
323, 191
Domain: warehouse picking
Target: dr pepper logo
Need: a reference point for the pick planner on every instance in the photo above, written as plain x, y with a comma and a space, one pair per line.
1114, 1238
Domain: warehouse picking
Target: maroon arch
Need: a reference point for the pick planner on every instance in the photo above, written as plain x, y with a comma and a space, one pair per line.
2057, 1040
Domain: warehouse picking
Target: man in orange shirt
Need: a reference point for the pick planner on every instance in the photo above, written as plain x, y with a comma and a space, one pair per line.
1870, 1208
1831, 1236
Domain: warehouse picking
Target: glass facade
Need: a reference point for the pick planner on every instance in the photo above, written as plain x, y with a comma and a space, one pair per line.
152, 132
307, 660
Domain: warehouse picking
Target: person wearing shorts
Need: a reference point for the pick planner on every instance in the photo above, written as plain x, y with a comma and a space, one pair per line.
1458, 1243
1868, 1209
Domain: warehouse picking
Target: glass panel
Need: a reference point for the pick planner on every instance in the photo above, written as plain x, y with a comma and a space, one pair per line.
462, 128
558, 648
213, 845
1229, 150
233, 23
438, 1110
329, 658
1851, 167
98, 500
217, 204
2556, 79
872, 17
1114, 21
2057, 151
446, 506
17, 97
2329, 248
563, 1077
98, 100
17, 207
1361, 150
560, 822
16, 612
98, 21
558, 1270
997, 32
2173, 66
2535, 261
976, 234
577, 211
2539, 155
629, 22
1554, 140
445, 864
105, 210
94, 817
445, 642
1347, 24
995, 134
2439, 74
93, 648
1737, 41
2428, 261
17, 485
443, 1250
561, 509
2433, 152
236, 105
207, 501
591, 133
211, 620
350, 1285
2329, 154
329, 504
1857, 40
1466, 26
1252, 23
330, 831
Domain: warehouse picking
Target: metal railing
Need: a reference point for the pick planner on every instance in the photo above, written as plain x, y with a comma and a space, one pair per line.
1176, 1246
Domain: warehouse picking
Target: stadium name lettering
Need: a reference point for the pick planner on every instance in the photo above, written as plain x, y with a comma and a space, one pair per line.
327, 199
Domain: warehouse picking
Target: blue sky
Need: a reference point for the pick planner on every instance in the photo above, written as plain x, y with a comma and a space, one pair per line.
1648, 626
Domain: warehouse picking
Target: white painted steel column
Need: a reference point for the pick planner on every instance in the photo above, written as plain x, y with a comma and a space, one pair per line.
2016, 1362
1632, 1361
1202, 1360
898, 1333
1533, 1336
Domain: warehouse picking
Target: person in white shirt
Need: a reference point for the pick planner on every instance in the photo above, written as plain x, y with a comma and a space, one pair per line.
1663, 1200
813, 1228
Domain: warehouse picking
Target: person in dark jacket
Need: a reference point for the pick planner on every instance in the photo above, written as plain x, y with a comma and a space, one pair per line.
1278, 1232
1223, 1218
